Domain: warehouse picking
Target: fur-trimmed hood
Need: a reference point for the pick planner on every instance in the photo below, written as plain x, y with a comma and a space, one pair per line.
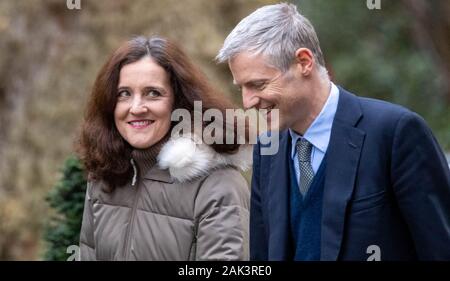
187, 158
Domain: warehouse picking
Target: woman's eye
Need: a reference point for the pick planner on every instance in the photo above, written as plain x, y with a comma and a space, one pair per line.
123, 93
153, 93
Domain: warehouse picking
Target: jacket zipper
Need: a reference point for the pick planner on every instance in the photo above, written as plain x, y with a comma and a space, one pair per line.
193, 248
135, 181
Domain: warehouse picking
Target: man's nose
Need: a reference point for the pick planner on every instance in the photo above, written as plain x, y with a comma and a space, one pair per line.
249, 99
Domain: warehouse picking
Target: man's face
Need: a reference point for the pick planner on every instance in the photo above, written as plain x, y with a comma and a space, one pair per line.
266, 87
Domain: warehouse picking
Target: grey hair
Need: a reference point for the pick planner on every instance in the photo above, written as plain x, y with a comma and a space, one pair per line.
275, 31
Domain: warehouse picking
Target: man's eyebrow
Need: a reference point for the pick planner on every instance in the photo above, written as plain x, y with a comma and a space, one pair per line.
250, 82
255, 82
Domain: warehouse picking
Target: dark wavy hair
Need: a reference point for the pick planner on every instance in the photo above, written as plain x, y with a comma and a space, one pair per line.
103, 151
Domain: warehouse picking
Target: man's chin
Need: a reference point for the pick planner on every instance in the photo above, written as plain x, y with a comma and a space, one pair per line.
271, 129
276, 126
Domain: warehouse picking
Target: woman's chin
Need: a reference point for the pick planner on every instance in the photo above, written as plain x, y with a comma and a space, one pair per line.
142, 144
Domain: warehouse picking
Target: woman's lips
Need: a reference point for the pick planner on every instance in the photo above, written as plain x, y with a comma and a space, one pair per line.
140, 124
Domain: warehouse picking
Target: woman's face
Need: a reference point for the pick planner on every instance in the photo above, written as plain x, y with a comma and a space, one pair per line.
144, 103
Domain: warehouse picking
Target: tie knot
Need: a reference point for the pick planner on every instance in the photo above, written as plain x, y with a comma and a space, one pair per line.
304, 148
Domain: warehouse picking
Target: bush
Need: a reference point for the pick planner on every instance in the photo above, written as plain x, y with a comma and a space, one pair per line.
67, 199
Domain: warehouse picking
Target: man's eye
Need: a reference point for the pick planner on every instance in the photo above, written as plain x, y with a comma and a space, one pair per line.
260, 86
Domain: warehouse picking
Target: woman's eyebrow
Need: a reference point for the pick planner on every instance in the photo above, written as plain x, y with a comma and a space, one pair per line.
146, 88
149, 88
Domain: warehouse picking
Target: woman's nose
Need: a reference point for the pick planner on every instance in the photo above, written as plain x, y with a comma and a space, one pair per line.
138, 107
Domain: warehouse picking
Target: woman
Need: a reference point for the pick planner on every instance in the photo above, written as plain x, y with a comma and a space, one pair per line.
151, 196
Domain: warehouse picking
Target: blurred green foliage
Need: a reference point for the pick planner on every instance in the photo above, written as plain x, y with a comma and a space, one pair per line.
67, 199
374, 53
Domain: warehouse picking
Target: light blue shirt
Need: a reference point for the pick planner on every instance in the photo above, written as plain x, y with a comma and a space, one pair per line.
318, 134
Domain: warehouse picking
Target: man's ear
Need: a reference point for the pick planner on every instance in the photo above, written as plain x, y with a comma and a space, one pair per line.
305, 60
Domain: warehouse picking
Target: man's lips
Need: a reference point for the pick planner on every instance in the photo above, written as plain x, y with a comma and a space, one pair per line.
268, 109
139, 124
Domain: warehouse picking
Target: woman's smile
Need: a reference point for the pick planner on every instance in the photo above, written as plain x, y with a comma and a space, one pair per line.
140, 124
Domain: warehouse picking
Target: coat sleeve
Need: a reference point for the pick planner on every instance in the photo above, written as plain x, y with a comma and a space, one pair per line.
258, 243
421, 181
87, 244
222, 215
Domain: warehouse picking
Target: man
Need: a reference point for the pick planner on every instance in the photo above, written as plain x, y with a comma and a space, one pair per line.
354, 178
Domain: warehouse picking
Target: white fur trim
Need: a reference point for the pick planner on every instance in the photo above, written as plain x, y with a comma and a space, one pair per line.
187, 160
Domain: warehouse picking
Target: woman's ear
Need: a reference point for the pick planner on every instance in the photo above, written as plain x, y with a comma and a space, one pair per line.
304, 59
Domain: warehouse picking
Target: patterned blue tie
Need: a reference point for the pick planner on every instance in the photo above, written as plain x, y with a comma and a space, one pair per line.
304, 149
